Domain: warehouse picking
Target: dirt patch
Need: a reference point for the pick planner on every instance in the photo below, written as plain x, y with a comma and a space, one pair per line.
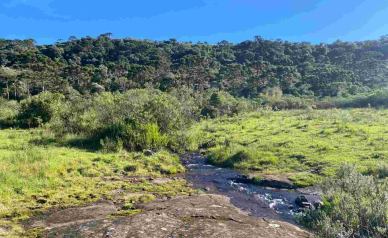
205, 215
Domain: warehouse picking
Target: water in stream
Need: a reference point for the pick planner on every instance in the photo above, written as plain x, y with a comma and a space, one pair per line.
258, 201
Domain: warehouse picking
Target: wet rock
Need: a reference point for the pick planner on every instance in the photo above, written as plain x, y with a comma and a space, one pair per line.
148, 153
300, 200
278, 181
216, 181
313, 190
205, 215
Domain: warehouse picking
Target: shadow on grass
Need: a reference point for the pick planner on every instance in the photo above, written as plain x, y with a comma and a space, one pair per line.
4, 124
87, 144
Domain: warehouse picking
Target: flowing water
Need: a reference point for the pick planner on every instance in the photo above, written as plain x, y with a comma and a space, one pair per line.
258, 201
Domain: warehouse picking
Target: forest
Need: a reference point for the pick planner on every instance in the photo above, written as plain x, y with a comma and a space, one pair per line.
247, 69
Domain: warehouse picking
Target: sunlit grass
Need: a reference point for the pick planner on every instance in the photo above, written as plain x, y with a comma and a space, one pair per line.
36, 175
312, 143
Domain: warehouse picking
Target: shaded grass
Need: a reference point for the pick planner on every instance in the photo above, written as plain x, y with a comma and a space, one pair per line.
37, 176
310, 143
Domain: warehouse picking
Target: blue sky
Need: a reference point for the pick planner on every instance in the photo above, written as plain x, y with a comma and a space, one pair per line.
195, 20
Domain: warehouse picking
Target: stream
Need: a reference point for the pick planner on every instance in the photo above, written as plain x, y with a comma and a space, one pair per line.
258, 201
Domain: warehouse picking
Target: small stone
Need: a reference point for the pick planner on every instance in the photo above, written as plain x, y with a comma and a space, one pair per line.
274, 225
308, 205
318, 204
148, 153
207, 189
161, 180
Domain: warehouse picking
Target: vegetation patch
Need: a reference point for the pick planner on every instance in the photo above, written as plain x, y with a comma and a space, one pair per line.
354, 205
124, 213
316, 141
38, 176
304, 179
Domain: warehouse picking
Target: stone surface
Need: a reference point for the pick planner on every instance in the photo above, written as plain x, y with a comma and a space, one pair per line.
317, 204
300, 200
279, 181
205, 215
161, 180
148, 153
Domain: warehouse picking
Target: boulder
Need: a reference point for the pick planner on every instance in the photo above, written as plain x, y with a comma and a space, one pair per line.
279, 181
317, 204
300, 200
148, 153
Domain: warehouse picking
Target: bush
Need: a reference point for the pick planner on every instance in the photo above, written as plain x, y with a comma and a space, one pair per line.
355, 205
221, 103
131, 137
8, 112
39, 109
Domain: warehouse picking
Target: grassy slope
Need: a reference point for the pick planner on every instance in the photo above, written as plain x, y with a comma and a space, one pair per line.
35, 177
306, 144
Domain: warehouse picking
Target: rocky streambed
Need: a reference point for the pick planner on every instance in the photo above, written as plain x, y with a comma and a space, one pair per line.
259, 201
228, 208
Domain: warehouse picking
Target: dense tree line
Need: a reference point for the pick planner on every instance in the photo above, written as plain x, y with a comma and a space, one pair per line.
248, 69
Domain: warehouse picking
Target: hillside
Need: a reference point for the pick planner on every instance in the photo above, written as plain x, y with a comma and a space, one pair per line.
245, 69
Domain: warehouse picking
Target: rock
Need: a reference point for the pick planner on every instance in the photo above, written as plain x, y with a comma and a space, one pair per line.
308, 205
279, 181
318, 204
161, 180
216, 181
300, 200
148, 153
207, 189
274, 225
205, 215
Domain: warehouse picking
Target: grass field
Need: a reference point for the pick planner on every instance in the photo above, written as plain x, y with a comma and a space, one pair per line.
303, 144
38, 172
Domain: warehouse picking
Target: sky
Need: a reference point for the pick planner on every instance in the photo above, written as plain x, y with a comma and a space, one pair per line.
212, 21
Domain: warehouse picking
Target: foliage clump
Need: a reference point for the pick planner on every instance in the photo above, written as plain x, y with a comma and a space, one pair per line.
354, 205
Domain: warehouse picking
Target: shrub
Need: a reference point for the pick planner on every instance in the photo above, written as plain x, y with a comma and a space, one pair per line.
131, 137
221, 103
355, 205
8, 112
141, 119
39, 109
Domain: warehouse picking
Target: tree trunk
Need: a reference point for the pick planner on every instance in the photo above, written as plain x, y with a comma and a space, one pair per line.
8, 91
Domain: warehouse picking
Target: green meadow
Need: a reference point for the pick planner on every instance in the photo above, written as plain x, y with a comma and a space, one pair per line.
306, 145
38, 172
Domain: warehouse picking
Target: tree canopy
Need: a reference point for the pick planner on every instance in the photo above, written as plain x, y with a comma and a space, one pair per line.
247, 69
